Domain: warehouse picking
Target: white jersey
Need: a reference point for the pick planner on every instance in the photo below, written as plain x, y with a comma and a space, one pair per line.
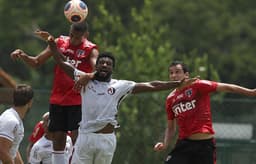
41, 152
108, 95
11, 128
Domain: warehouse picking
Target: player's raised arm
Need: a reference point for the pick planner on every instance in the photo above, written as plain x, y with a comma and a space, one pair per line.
58, 57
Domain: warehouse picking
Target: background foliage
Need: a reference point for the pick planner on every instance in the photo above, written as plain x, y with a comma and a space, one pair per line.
215, 38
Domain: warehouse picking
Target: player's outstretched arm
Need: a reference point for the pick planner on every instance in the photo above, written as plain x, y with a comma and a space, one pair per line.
232, 88
160, 85
33, 61
155, 86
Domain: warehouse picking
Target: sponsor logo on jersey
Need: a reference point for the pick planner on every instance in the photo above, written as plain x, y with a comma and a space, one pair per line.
183, 107
75, 63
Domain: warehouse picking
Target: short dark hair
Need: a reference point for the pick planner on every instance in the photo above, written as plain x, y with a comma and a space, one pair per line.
108, 55
80, 27
184, 66
22, 94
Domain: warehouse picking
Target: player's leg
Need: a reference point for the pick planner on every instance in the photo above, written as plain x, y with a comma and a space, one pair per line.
57, 127
105, 148
74, 117
205, 152
84, 149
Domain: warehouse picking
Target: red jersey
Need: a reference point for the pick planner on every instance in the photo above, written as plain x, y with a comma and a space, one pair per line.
191, 108
37, 133
79, 56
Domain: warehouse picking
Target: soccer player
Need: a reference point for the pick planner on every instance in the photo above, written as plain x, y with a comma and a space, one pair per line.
65, 103
11, 125
41, 151
101, 97
37, 133
189, 107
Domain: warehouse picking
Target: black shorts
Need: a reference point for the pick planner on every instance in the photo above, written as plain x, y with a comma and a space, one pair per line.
64, 118
193, 152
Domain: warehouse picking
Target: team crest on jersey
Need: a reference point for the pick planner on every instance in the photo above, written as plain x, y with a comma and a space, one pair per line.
80, 52
188, 92
111, 91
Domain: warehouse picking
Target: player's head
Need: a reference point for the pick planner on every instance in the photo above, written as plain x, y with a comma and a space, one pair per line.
23, 95
178, 71
78, 31
105, 64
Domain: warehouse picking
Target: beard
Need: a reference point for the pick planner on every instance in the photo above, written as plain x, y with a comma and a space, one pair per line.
104, 78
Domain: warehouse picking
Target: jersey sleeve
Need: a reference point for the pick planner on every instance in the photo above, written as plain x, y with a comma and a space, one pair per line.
168, 109
34, 157
37, 133
8, 129
205, 86
127, 87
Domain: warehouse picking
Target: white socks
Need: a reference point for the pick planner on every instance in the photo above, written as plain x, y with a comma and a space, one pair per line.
58, 157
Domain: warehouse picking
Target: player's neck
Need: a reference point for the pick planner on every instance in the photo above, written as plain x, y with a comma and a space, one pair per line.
21, 110
103, 79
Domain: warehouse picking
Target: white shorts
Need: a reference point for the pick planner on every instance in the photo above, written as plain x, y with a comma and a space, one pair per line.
94, 148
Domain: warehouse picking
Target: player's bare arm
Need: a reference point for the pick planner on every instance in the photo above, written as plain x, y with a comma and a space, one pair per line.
5, 156
232, 88
58, 57
155, 86
93, 57
169, 134
33, 61
160, 85
83, 80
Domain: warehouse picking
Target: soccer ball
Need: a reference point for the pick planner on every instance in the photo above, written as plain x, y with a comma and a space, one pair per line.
75, 11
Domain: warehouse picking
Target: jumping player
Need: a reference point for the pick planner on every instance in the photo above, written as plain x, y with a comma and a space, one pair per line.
65, 103
101, 96
189, 107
